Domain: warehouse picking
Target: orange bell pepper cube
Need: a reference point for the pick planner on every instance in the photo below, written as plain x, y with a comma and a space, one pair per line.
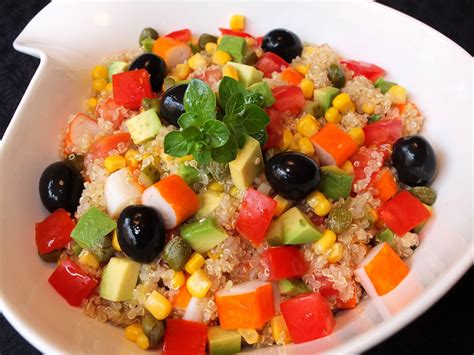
182, 298
333, 145
291, 76
386, 185
350, 303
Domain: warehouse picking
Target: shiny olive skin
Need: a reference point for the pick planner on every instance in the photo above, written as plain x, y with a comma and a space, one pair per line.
284, 43
60, 186
415, 160
172, 107
141, 233
292, 175
154, 65
147, 32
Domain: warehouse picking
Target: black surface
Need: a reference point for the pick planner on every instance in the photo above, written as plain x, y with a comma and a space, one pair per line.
446, 328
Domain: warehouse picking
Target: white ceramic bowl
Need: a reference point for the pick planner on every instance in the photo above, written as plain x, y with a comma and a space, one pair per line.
70, 38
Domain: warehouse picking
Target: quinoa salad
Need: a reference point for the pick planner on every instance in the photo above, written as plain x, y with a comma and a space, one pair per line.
234, 191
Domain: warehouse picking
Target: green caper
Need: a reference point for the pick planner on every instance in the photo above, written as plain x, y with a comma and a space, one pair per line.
147, 44
76, 248
206, 38
103, 251
52, 256
250, 59
149, 104
176, 253
339, 219
194, 49
76, 161
147, 32
424, 193
153, 329
336, 75
374, 118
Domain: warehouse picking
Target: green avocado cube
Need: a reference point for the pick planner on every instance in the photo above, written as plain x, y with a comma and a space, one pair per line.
188, 174
247, 165
223, 341
274, 235
203, 235
235, 46
208, 202
335, 182
248, 75
119, 279
297, 227
116, 67
292, 287
386, 236
383, 85
149, 174
325, 96
92, 227
263, 89
144, 126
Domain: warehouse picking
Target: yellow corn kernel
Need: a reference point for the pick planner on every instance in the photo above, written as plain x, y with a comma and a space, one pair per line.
91, 103
325, 243
307, 125
99, 84
305, 146
314, 198
150, 159
158, 305
307, 87
237, 23
181, 71
308, 50
348, 167
234, 191
335, 253
109, 87
99, 71
198, 284
250, 336
322, 208
343, 103
230, 71
280, 332
143, 342
216, 187
196, 61
319, 203
133, 331
294, 142
368, 108
131, 158
372, 216
287, 139
188, 157
332, 115
114, 163
221, 57
219, 39
211, 48
302, 68
195, 262
115, 243
397, 94
282, 205
357, 135
87, 258
178, 280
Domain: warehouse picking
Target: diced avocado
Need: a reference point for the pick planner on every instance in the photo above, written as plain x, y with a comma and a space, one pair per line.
119, 279
223, 341
275, 233
247, 165
203, 235
335, 182
188, 174
263, 89
297, 227
325, 96
386, 236
149, 175
313, 108
248, 75
116, 67
92, 227
419, 227
208, 202
144, 126
292, 287
383, 85
235, 46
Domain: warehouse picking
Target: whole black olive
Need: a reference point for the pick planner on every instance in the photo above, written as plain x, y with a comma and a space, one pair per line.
292, 175
282, 42
415, 160
154, 65
60, 186
172, 106
141, 233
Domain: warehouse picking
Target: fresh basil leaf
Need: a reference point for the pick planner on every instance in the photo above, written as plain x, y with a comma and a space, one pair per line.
254, 119
226, 153
176, 145
254, 98
240, 137
192, 134
261, 136
202, 155
188, 119
216, 132
235, 104
207, 115
227, 88
199, 97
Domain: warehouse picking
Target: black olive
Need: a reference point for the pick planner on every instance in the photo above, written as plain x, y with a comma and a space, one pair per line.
292, 175
284, 43
415, 161
154, 65
60, 186
172, 106
141, 233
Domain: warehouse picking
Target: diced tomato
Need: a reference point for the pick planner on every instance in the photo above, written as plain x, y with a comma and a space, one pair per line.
184, 337
72, 283
270, 63
326, 289
102, 146
288, 99
370, 71
274, 129
54, 232
226, 31
110, 111
360, 160
256, 213
307, 317
131, 87
385, 131
180, 35
403, 213
284, 262
291, 76
210, 76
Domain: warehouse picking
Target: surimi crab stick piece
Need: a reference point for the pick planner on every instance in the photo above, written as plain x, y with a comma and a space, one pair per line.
381, 270
333, 145
81, 131
172, 51
173, 198
121, 190
194, 311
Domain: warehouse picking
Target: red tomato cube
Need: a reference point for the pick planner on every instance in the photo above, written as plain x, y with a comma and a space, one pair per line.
284, 262
54, 232
385, 131
184, 337
270, 63
131, 87
288, 99
274, 129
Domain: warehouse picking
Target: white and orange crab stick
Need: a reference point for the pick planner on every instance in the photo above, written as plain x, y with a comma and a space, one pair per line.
121, 190
173, 198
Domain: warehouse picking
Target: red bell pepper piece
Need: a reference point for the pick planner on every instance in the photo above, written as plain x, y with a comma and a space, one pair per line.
284, 262
102, 146
403, 213
72, 283
184, 337
181, 35
274, 129
307, 317
255, 216
260, 41
288, 99
131, 87
370, 71
385, 131
54, 232
226, 31
270, 63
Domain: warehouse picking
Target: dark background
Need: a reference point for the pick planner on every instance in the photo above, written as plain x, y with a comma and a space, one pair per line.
446, 328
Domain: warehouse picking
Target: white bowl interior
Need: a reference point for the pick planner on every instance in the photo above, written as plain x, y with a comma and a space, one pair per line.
71, 38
